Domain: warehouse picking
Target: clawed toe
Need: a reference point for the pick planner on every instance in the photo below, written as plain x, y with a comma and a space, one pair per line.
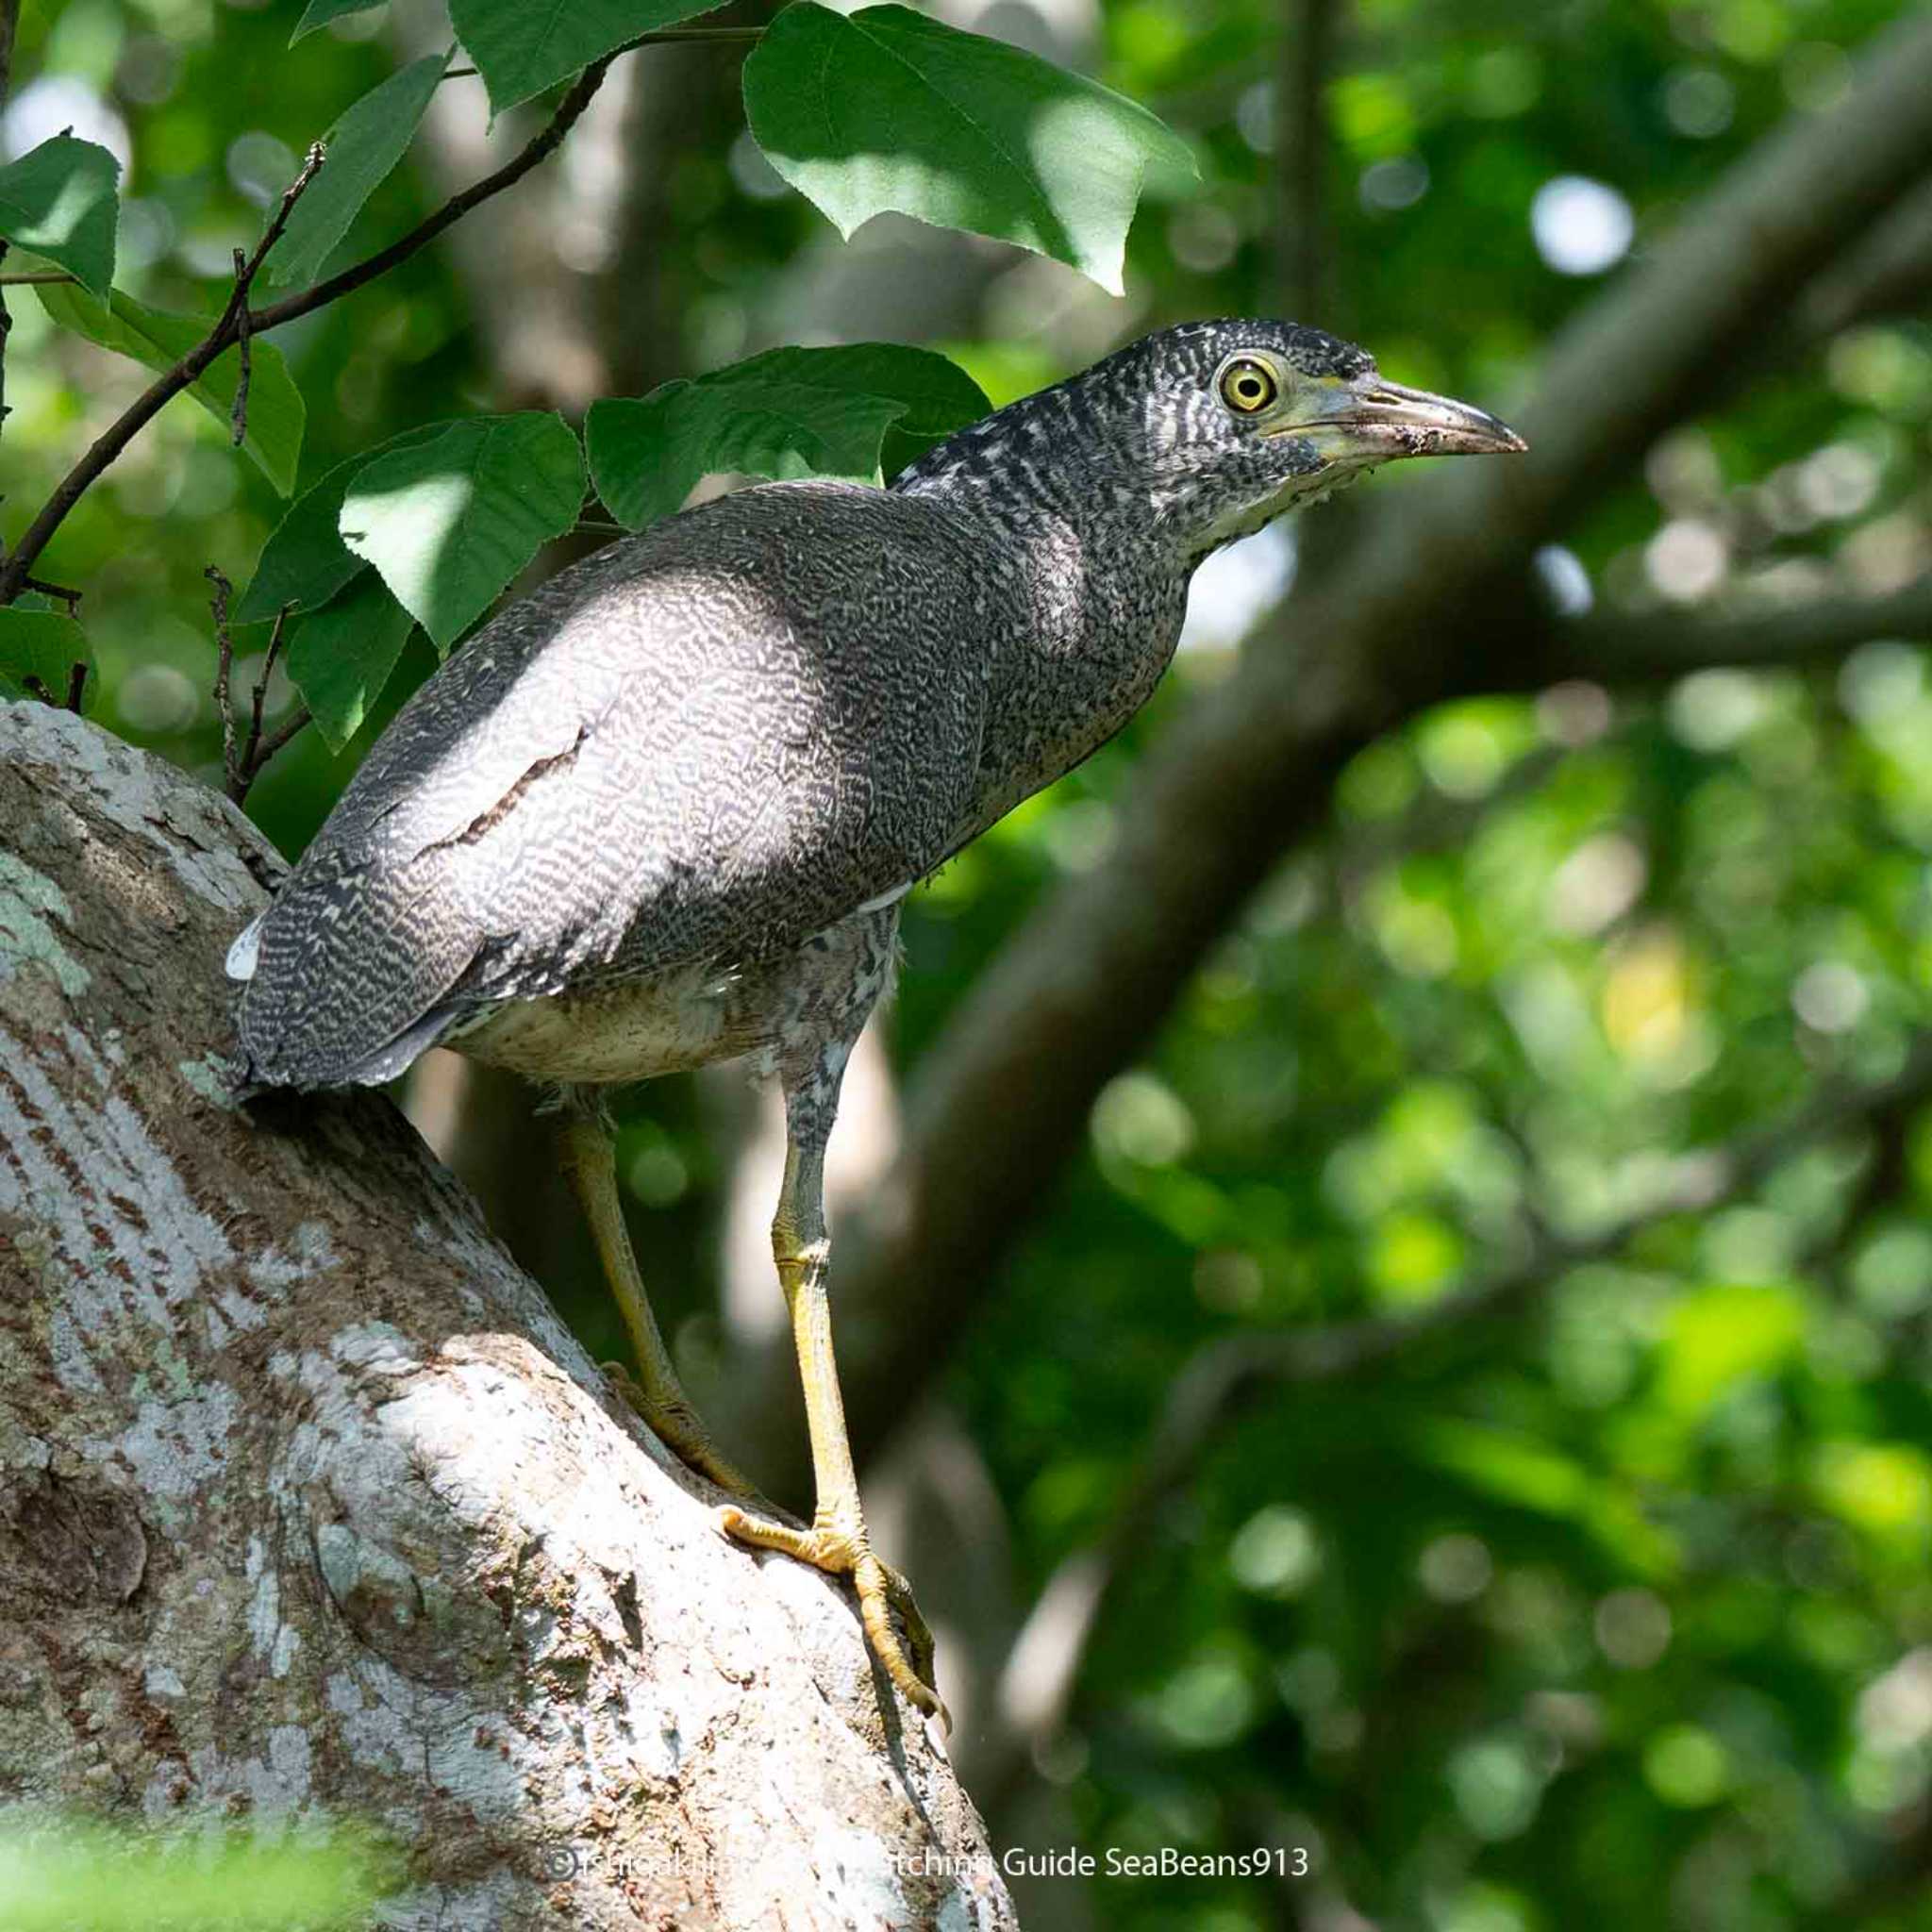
678, 1426
885, 1599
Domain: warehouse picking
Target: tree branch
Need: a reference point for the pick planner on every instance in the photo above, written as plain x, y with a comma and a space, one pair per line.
229, 329
282, 1425
241, 761
1890, 273
1302, 141
10, 21
1624, 650
1407, 616
1225, 1376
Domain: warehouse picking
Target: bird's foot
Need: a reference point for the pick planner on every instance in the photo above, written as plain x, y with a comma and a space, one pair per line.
885, 1598
677, 1424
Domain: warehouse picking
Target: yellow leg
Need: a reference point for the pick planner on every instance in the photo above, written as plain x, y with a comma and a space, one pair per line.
589, 1159
837, 1539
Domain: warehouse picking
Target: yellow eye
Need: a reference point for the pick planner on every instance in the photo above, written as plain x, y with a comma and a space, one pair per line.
1247, 385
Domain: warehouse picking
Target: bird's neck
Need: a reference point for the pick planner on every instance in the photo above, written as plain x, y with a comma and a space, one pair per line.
1090, 596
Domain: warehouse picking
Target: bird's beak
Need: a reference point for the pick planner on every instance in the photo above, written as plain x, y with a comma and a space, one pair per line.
1374, 420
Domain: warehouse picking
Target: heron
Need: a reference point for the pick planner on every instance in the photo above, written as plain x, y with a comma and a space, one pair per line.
665, 809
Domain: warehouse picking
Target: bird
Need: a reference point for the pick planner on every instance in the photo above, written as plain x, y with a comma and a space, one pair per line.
665, 809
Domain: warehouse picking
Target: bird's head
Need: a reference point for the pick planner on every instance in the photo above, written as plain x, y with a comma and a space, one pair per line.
1220, 428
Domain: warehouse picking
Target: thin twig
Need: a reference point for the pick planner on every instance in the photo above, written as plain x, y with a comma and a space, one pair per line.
268, 665
274, 742
26, 279
6, 330
69, 598
224, 667
237, 415
241, 764
237, 317
538, 148
77, 686
227, 329
246, 272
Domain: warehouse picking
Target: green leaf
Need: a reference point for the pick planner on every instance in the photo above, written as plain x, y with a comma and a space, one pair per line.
306, 562
59, 200
363, 147
884, 108
520, 47
1723, 1334
159, 339
59, 1872
1515, 1467
320, 13
451, 520
791, 412
38, 645
342, 655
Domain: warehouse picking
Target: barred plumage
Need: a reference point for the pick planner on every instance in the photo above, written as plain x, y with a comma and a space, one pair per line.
662, 811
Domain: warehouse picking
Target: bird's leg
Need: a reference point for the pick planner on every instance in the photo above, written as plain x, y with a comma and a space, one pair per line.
587, 1148
837, 1540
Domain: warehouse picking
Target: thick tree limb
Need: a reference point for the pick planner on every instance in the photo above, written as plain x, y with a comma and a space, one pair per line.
1632, 650
308, 1504
1890, 273
1418, 609
1301, 139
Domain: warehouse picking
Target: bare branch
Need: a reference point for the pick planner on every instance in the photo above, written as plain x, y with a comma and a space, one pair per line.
1302, 143
243, 761
224, 669
540, 147
238, 413
260, 750
1629, 650
245, 270
69, 598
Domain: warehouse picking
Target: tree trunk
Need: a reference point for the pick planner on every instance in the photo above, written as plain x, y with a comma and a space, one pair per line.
310, 1506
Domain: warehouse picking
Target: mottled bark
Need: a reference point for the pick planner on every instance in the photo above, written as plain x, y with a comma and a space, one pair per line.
308, 1504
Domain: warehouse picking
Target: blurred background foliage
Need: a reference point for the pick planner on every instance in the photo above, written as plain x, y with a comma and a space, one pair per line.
1613, 1600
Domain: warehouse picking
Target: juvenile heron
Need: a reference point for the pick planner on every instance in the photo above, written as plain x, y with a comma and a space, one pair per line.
664, 811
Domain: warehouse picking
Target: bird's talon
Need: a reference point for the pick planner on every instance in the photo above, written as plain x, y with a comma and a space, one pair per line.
625, 1386
884, 1596
676, 1426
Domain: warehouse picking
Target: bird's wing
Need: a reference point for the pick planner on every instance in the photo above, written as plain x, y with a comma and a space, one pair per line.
706, 744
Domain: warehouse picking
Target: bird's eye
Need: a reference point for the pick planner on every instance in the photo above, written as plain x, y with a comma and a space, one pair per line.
1247, 385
